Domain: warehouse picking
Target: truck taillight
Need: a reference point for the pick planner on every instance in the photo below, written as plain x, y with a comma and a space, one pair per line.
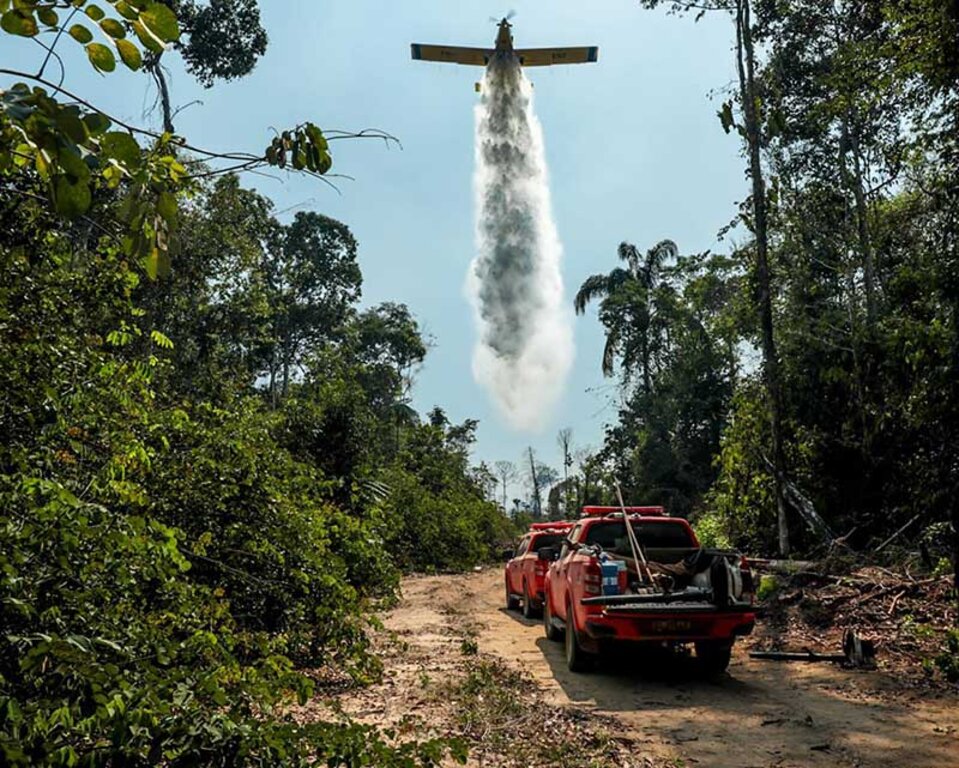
749, 590
593, 579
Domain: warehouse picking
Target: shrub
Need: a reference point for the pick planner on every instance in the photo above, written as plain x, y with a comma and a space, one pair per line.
948, 660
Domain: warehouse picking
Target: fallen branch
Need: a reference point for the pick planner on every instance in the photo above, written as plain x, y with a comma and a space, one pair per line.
892, 538
902, 587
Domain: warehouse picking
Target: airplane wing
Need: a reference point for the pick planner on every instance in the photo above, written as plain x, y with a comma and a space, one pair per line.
544, 57
477, 57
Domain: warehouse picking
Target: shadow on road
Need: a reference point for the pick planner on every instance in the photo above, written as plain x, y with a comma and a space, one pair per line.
626, 679
518, 617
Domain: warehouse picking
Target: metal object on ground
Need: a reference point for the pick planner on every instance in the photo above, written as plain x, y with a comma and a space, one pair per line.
857, 653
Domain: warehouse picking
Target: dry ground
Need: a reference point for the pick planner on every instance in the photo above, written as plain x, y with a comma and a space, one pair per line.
451, 629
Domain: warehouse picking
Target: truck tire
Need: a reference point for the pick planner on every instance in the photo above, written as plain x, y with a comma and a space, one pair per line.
551, 632
511, 602
528, 611
577, 660
714, 655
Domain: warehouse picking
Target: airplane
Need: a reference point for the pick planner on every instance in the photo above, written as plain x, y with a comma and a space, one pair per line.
503, 47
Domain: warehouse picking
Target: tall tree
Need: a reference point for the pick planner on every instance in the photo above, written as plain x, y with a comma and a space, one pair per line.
221, 40
565, 441
313, 281
629, 308
751, 128
506, 472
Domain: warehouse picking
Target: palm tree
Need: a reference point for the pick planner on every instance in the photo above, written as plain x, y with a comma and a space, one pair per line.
628, 307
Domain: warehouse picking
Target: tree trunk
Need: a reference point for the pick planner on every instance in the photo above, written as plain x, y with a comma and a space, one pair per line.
747, 84
537, 501
865, 241
854, 182
644, 350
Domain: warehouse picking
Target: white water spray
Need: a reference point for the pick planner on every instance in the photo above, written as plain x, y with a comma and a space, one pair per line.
525, 348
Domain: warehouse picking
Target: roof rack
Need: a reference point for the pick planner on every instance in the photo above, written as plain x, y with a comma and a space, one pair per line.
556, 525
595, 511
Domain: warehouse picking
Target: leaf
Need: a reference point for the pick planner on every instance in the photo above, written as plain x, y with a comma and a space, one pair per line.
130, 54
317, 137
80, 33
95, 12
68, 120
122, 147
113, 28
48, 16
157, 263
96, 123
167, 207
71, 199
127, 12
161, 21
298, 155
726, 116
161, 340
147, 38
71, 162
101, 57
18, 22
325, 163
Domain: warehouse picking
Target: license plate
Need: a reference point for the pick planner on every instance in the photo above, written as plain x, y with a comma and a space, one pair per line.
670, 626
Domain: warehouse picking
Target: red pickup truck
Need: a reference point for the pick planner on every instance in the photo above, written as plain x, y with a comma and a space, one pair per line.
601, 589
526, 570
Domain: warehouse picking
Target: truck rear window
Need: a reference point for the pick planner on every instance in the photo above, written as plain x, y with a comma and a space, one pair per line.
546, 540
666, 534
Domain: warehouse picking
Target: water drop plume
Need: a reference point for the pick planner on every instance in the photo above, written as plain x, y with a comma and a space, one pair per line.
525, 345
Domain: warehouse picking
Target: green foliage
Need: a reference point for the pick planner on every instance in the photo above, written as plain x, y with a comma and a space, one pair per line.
224, 38
669, 324
711, 531
260, 531
152, 22
948, 660
437, 516
71, 149
851, 131
109, 652
303, 148
164, 562
176, 538
768, 586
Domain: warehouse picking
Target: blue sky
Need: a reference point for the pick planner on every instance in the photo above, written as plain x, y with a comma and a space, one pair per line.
634, 148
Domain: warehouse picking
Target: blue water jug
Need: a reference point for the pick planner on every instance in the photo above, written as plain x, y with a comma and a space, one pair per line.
610, 569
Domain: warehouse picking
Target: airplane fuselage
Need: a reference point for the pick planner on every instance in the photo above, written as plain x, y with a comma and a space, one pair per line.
504, 38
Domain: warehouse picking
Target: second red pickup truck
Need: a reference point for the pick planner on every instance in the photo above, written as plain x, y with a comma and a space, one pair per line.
600, 588
526, 570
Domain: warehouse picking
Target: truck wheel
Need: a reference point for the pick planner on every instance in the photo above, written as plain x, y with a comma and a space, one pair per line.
577, 660
528, 611
511, 602
551, 632
714, 656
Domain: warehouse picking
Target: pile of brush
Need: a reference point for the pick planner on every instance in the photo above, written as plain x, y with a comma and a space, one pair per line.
904, 616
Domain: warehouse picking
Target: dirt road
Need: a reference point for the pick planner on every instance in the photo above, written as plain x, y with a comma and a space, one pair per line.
761, 714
